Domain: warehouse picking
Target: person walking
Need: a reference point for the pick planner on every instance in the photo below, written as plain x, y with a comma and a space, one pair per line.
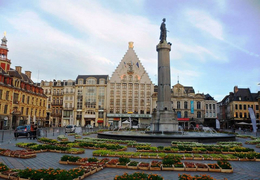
32, 131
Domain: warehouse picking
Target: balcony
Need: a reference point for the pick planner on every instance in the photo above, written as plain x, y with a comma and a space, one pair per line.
57, 94
68, 108
56, 114
57, 104
69, 92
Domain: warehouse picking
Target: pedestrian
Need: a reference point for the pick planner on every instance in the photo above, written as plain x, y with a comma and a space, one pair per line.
32, 131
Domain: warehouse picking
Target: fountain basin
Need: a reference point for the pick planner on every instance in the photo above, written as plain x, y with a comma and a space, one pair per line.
201, 137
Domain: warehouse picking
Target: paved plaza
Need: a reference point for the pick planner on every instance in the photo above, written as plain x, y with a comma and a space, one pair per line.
244, 170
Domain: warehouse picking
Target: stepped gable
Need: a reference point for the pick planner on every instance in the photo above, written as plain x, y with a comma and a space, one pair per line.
130, 59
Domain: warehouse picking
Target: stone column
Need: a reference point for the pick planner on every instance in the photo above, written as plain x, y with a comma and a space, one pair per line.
164, 77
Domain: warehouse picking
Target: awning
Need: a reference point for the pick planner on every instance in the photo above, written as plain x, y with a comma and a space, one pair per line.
100, 121
183, 119
116, 119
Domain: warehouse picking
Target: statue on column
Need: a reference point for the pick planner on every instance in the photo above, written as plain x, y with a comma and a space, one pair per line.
163, 31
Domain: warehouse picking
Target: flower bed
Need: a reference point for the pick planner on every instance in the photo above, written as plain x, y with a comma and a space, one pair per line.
225, 166
156, 165
188, 176
144, 166
179, 166
202, 167
214, 168
190, 166
132, 165
138, 175
112, 163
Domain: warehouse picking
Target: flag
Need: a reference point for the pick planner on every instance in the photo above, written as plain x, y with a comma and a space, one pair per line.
253, 119
217, 124
137, 64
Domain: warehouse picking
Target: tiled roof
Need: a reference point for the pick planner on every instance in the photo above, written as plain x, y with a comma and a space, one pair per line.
94, 76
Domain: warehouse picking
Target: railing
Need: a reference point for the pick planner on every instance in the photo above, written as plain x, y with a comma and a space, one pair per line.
7, 136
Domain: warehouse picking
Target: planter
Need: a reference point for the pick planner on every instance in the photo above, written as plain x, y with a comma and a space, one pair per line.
132, 167
144, 167
257, 159
155, 168
111, 165
190, 169
198, 158
63, 162
179, 168
215, 170
93, 171
99, 168
227, 170
121, 166
168, 168
243, 159
254, 159
203, 169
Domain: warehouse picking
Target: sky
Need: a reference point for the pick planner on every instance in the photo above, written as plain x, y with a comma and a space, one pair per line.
215, 43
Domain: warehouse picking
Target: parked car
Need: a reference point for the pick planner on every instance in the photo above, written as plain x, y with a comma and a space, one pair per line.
70, 128
89, 126
22, 131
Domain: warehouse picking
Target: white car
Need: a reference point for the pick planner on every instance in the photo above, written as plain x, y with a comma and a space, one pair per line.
70, 128
89, 126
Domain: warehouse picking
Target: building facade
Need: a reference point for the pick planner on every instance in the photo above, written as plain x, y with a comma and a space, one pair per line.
129, 93
90, 100
234, 107
21, 101
189, 106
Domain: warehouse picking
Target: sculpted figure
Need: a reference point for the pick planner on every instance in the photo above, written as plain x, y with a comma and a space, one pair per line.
163, 31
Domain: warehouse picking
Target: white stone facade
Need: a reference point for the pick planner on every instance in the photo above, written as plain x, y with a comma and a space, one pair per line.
129, 92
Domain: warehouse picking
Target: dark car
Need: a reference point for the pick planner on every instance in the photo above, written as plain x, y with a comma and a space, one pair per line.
22, 131
70, 129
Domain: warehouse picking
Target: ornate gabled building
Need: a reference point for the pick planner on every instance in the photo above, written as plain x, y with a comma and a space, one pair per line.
21, 101
210, 111
129, 93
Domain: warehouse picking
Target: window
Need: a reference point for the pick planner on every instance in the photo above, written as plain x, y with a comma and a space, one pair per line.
7, 95
198, 114
178, 105
91, 81
210, 106
6, 108
1, 92
185, 105
102, 81
240, 106
206, 106
198, 105
245, 115
186, 114
22, 110
213, 106
23, 99
244, 107
80, 81
240, 115
256, 107
15, 99
27, 111
235, 106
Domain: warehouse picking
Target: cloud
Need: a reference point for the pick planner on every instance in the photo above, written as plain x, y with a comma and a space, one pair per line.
205, 22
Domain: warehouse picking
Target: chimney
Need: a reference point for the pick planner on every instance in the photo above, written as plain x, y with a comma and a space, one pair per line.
18, 69
28, 74
235, 89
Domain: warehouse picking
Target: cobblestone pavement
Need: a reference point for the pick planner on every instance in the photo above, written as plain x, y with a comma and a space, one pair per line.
242, 170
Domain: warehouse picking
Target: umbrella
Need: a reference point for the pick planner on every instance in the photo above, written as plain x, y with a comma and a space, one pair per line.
126, 122
243, 123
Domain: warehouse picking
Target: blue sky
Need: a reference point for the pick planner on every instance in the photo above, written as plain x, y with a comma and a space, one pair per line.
215, 43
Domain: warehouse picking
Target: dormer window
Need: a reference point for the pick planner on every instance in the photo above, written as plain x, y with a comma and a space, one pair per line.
80, 81
91, 81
